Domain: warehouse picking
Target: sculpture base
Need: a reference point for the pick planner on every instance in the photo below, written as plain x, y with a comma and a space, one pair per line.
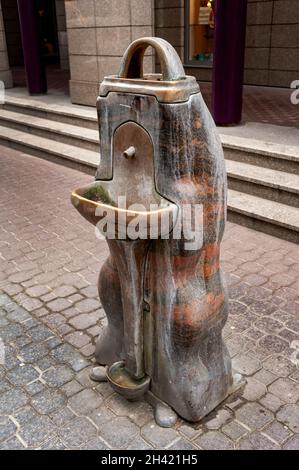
165, 416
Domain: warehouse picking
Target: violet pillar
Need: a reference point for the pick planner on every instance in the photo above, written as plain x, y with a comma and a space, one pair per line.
35, 68
229, 52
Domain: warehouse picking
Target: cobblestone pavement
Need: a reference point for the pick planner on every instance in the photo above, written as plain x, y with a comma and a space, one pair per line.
50, 316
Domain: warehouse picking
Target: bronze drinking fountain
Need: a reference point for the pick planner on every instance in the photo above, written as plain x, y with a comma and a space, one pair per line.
163, 295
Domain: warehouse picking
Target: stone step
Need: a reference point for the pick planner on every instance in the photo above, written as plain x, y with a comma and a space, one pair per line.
64, 113
266, 183
270, 217
50, 129
263, 154
64, 154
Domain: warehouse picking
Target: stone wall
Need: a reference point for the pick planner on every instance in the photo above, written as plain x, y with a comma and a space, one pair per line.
12, 32
5, 72
99, 31
272, 42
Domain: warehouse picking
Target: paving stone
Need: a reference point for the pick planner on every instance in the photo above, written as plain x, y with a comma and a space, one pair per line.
85, 402
77, 432
12, 400
45, 363
66, 354
83, 377
34, 388
253, 390
254, 416
87, 305
77, 339
292, 444
278, 432
64, 291
245, 364
53, 444
12, 331
221, 418
7, 428
214, 440
271, 402
33, 352
37, 430
265, 377
18, 315
58, 376
12, 444
157, 436
4, 385
285, 389
289, 415
278, 365
101, 416
139, 444
62, 417
257, 441
234, 430
52, 343
24, 415
40, 333
126, 431
71, 388
22, 375
189, 431
139, 412
95, 444
182, 444
58, 305
84, 321
48, 401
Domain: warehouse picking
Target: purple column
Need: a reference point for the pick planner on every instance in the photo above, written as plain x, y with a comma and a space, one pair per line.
35, 68
228, 70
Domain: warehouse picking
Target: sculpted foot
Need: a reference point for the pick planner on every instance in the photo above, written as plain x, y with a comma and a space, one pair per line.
98, 374
165, 416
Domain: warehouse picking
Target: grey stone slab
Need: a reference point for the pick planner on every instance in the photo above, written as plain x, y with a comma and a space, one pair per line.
12, 444
158, 437
126, 431
289, 415
214, 440
292, 444
139, 412
22, 375
37, 430
12, 400
257, 441
139, 444
34, 388
245, 364
7, 428
58, 376
33, 352
285, 389
40, 333
95, 444
182, 444
101, 416
85, 402
66, 354
221, 417
254, 416
278, 432
77, 432
48, 401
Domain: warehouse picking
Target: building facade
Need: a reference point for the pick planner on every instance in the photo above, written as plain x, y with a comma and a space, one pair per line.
88, 38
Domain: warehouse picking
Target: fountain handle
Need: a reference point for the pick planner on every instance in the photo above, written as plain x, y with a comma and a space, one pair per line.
132, 61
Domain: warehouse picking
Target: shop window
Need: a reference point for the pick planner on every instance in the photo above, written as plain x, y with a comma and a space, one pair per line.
199, 32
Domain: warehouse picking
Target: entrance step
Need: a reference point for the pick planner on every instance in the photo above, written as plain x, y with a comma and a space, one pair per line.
267, 216
274, 185
64, 113
51, 129
64, 154
263, 154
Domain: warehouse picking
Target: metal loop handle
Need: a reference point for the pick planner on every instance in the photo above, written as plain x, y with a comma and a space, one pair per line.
132, 61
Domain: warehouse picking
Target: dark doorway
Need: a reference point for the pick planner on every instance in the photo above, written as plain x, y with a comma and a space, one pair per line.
58, 79
46, 12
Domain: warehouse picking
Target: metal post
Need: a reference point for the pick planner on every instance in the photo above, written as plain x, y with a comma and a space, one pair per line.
35, 68
229, 52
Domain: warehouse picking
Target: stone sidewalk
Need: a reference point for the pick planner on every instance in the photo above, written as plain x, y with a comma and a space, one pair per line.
50, 317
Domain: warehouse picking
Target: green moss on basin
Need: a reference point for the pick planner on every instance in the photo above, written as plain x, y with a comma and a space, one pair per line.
99, 194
